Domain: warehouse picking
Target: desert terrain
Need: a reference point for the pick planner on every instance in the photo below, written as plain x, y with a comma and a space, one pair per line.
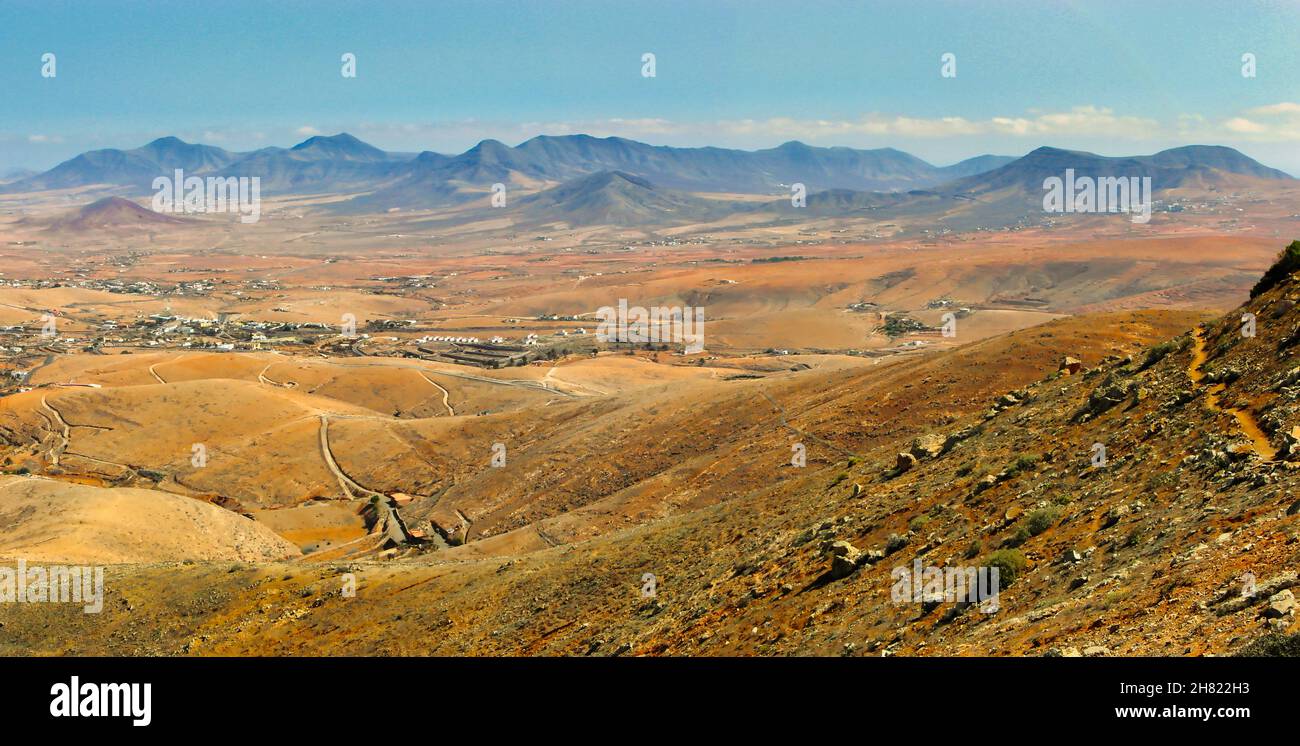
382, 421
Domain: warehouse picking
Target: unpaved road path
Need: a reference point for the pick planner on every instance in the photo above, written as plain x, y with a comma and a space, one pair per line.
390, 521
64, 434
1245, 420
446, 395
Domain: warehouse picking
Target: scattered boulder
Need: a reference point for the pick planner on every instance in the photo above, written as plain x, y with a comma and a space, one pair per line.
1291, 442
1105, 396
927, 446
1290, 378
1070, 365
904, 463
844, 559
1226, 374
1114, 515
1280, 604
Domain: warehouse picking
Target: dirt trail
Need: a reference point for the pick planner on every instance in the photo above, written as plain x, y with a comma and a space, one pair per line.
64, 435
350, 488
780, 410
261, 378
57, 452
390, 521
445, 394
550, 378
521, 383
466, 524
1249, 426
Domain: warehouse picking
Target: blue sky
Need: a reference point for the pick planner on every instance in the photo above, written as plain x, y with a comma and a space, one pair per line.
1112, 77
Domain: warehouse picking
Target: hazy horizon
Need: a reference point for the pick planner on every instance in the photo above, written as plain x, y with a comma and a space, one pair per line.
736, 75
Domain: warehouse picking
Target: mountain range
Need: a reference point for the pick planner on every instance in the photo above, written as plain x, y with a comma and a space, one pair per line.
585, 180
341, 163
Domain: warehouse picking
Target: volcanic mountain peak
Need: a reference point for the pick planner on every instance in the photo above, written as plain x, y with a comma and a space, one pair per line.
168, 142
114, 212
794, 147
341, 146
613, 198
489, 148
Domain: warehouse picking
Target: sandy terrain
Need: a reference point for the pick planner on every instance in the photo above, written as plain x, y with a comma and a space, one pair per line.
52, 521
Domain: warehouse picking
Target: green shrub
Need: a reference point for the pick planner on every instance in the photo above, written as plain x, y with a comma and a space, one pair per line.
1287, 263
1158, 353
1010, 563
1133, 539
1272, 645
1034, 524
1022, 463
1040, 520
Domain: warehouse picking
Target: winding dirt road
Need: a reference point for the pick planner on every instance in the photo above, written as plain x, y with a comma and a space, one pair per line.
446, 395
1245, 420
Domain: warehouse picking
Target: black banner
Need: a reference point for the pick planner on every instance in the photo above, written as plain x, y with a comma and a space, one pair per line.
446, 696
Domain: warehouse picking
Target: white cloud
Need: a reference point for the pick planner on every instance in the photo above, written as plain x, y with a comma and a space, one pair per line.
307, 131
1285, 107
1274, 123
1034, 127
1243, 126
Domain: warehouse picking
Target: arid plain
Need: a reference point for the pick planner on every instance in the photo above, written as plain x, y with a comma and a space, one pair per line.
250, 421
